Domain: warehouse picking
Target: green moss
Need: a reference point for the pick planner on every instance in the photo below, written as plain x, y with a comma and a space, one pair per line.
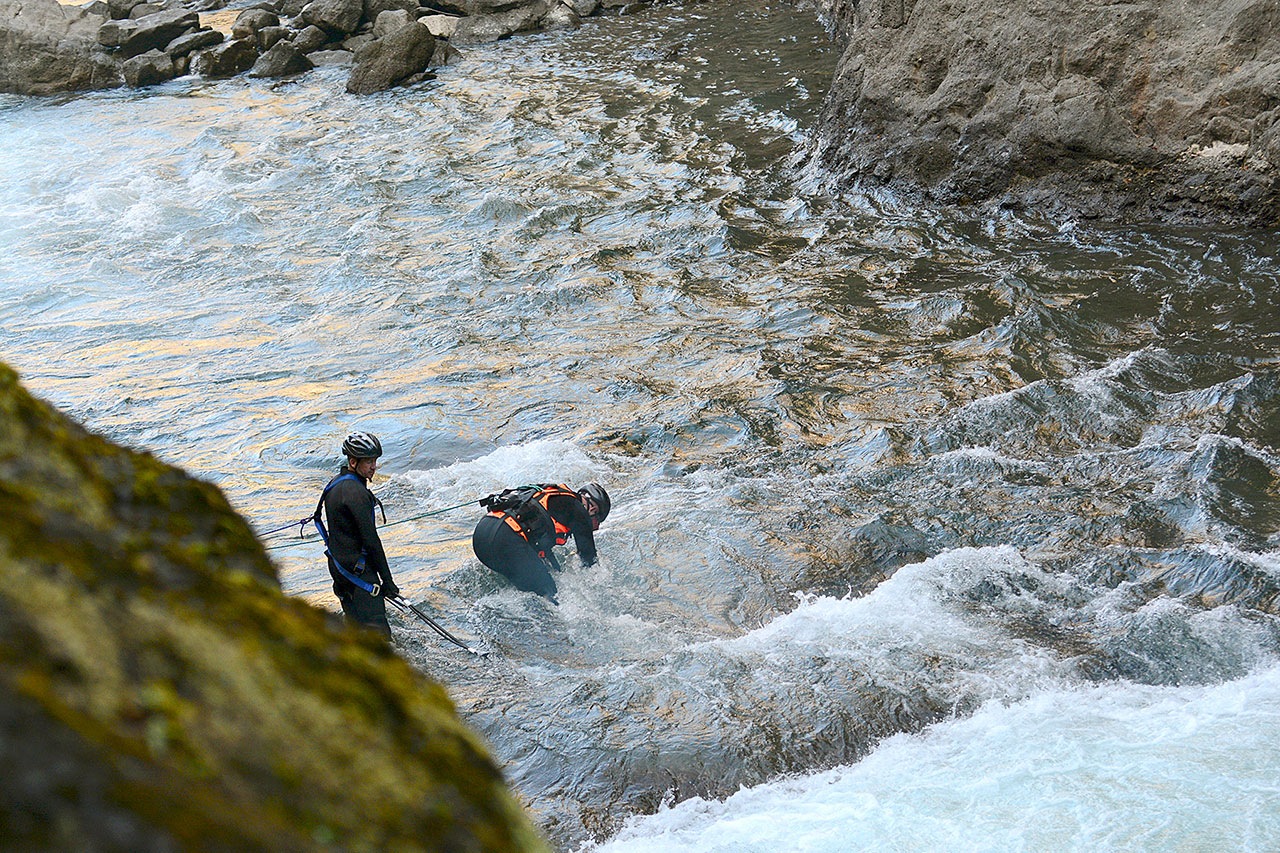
143, 622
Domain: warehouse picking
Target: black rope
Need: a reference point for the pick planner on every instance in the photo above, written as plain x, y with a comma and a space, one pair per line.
407, 606
303, 539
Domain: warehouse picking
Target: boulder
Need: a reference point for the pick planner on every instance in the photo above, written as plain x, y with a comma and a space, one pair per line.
560, 17
445, 54
1137, 111
137, 36
583, 8
144, 9
310, 38
471, 8
356, 42
441, 26
269, 37
479, 29
183, 45
336, 17
389, 61
281, 60
148, 69
159, 692
331, 57
121, 8
250, 21
116, 31
390, 21
225, 60
46, 48
374, 8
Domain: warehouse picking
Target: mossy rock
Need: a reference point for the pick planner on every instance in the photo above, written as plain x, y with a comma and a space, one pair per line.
158, 691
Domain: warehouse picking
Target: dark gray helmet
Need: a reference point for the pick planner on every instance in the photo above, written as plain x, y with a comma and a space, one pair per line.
362, 445
596, 492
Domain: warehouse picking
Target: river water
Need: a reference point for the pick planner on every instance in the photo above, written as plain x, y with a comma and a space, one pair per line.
930, 532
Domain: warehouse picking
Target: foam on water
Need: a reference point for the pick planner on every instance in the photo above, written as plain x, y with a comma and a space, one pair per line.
925, 619
1118, 767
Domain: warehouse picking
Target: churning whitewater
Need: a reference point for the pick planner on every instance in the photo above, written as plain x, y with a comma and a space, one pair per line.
928, 533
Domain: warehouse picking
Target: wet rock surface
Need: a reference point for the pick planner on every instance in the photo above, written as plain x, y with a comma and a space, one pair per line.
1128, 112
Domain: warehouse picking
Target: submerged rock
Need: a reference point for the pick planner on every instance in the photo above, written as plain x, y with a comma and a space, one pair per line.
1133, 111
159, 692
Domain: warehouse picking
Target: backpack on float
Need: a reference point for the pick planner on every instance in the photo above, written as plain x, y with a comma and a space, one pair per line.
521, 505
526, 506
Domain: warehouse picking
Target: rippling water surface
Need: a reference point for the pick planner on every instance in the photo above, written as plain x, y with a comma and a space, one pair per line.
1001, 491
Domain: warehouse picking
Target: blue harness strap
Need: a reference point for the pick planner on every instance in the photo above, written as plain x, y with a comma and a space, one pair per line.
373, 589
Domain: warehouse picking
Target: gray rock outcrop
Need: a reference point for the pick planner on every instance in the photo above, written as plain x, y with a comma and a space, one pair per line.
1121, 111
47, 48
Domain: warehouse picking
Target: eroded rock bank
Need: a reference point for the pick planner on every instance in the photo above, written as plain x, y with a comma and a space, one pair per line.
1120, 111
159, 692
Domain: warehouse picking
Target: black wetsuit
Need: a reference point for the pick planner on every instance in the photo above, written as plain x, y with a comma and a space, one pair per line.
569, 511
528, 564
348, 508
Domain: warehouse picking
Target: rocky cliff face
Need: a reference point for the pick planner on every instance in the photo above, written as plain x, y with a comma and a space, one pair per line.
159, 692
1147, 110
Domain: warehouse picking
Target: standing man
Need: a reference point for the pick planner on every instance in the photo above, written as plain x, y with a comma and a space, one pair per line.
361, 576
523, 525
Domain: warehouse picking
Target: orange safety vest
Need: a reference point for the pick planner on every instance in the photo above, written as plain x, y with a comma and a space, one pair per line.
544, 493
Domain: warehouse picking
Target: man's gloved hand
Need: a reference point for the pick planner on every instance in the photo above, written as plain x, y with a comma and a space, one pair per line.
390, 590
